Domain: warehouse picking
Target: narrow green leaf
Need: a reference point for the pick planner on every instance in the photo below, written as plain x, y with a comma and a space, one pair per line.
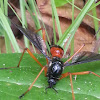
56, 18
24, 22
54, 30
72, 42
7, 43
96, 23
7, 40
7, 28
2, 5
6, 7
1, 30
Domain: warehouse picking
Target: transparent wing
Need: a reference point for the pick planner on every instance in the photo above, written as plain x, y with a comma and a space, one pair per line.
35, 39
83, 57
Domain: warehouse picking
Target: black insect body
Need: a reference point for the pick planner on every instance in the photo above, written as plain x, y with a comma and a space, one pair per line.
55, 70
55, 66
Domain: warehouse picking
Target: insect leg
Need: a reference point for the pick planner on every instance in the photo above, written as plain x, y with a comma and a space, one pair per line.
85, 72
30, 53
32, 83
43, 35
38, 30
72, 86
65, 75
78, 73
74, 54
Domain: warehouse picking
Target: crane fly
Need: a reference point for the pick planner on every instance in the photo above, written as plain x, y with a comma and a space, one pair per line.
55, 66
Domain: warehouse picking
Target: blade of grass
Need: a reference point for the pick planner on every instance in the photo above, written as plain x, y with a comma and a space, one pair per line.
54, 30
1, 5
73, 27
56, 18
7, 28
24, 22
7, 43
96, 23
34, 48
72, 42
6, 7
7, 40
68, 43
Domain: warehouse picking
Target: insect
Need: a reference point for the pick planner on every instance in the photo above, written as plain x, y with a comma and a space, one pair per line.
55, 66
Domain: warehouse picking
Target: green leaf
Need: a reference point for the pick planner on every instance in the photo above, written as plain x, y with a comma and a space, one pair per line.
60, 3
14, 82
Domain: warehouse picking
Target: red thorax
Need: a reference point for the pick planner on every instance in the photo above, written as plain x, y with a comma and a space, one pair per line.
56, 51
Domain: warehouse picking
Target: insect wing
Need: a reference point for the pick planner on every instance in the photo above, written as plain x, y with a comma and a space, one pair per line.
83, 57
35, 39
